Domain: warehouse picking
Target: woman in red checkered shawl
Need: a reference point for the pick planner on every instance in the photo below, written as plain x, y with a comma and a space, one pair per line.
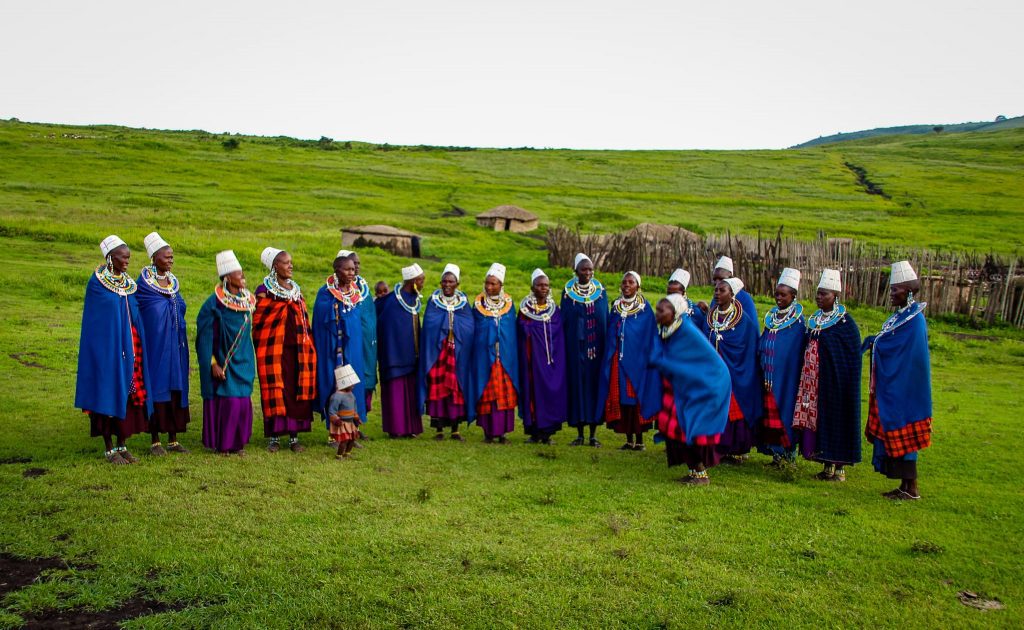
900, 402
285, 353
446, 348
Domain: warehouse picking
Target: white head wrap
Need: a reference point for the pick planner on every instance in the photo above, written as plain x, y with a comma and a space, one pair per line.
343, 253
830, 280
110, 243
537, 273
154, 243
580, 258
635, 275
724, 263
227, 263
902, 272
735, 284
345, 376
268, 256
681, 276
454, 270
679, 303
498, 271
790, 277
411, 272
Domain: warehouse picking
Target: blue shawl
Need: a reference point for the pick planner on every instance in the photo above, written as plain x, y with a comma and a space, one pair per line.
838, 436
700, 381
217, 326
435, 332
165, 346
369, 317
738, 348
397, 330
630, 337
903, 379
583, 374
106, 357
780, 354
492, 335
334, 328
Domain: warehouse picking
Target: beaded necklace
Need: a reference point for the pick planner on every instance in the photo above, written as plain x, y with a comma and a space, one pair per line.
450, 304
627, 307
364, 288
528, 307
349, 298
293, 294
667, 331
121, 284
894, 321
152, 278
584, 293
821, 320
731, 317
493, 306
244, 302
412, 310
779, 319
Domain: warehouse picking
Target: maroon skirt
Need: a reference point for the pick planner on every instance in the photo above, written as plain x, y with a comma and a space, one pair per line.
680, 453
631, 421
170, 416
134, 422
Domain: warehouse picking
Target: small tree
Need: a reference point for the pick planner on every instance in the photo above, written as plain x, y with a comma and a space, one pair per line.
938, 129
231, 144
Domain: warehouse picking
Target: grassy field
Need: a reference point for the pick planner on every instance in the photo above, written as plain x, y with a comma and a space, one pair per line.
423, 534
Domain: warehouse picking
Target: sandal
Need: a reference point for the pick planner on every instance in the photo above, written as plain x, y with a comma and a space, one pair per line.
595, 443
640, 447
628, 446
691, 480
128, 457
824, 476
439, 436
903, 495
114, 457
157, 450
458, 437
176, 447
577, 442
296, 447
273, 447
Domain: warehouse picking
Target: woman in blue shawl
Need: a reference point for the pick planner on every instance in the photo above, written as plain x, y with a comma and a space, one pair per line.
694, 388
780, 352
900, 405
733, 334
827, 409
542, 400
368, 314
227, 359
446, 358
495, 358
112, 375
584, 309
724, 271
166, 346
338, 334
398, 342
625, 374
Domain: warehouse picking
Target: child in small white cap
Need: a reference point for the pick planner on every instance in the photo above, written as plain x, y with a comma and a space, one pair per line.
341, 411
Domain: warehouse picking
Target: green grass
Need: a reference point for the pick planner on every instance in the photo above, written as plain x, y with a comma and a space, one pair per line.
417, 533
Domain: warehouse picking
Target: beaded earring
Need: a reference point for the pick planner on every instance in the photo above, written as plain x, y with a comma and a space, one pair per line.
110, 264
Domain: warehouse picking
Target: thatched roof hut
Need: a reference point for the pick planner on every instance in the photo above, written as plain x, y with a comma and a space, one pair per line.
508, 219
660, 233
397, 241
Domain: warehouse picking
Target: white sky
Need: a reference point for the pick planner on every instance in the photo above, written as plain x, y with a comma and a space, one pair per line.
554, 73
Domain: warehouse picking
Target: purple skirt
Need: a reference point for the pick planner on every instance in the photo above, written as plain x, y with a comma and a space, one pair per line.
399, 410
445, 413
227, 423
497, 423
278, 426
736, 439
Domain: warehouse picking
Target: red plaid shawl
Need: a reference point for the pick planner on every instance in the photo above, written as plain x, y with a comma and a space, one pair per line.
908, 439
667, 420
442, 381
499, 391
269, 322
137, 392
772, 430
613, 406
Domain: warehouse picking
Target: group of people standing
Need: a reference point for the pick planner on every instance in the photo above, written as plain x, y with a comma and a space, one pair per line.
712, 381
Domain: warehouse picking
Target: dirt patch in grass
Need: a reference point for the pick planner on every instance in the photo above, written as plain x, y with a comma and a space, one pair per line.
23, 358
31, 473
16, 573
98, 619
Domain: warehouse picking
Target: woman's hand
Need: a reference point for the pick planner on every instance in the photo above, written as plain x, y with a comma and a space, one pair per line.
217, 372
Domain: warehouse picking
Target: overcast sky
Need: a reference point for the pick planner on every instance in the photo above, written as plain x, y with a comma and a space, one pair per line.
551, 73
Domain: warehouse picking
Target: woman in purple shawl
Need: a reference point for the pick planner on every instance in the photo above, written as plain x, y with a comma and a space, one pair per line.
446, 355
398, 348
900, 412
624, 391
542, 399
166, 346
733, 334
